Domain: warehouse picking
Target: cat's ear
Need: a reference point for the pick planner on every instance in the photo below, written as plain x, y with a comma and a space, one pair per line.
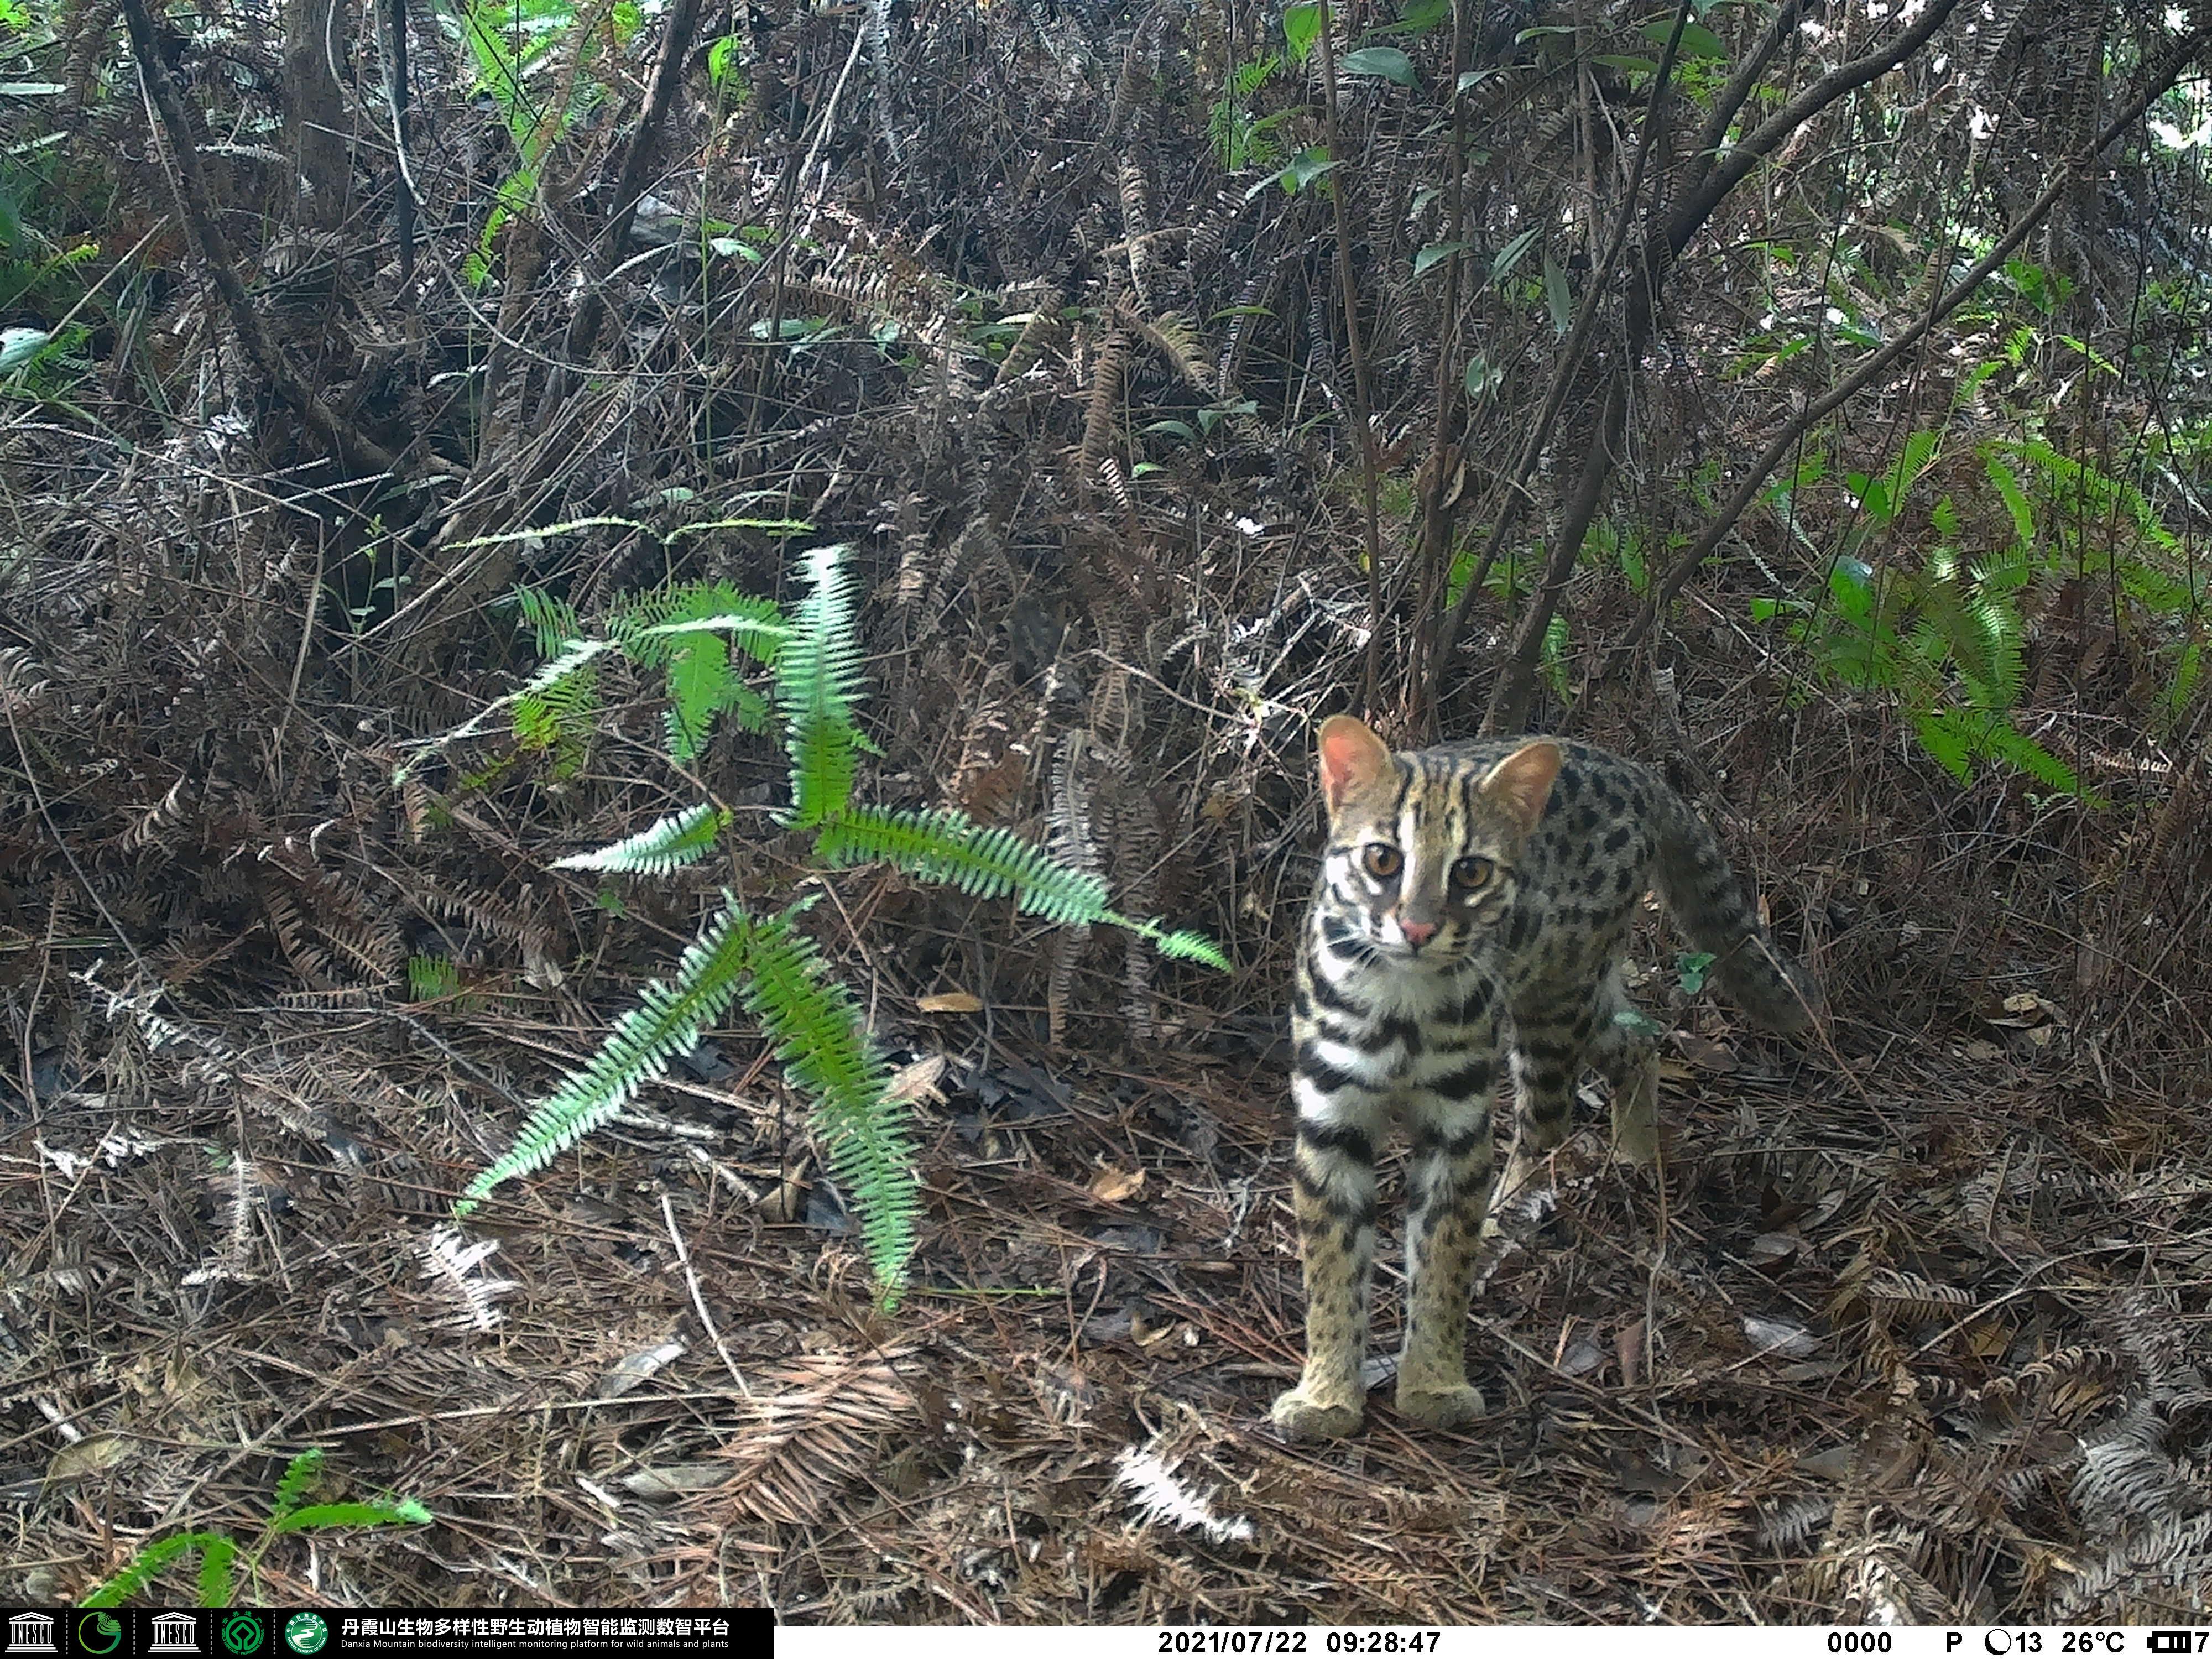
1522, 782
1353, 758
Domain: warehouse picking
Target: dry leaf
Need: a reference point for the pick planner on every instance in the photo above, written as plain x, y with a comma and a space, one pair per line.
633, 1368
1582, 1357
1781, 1336
1704, 1053
1628, 1346
785, 1203
916, 1080
951, 1002
1771, 1249
1111, 1186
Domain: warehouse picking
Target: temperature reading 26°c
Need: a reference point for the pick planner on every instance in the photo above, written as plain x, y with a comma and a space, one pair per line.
2093, 1641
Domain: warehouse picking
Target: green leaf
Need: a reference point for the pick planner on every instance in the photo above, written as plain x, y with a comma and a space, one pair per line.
431, 978
987, 861
1386, 62
2015, 499
1185, 943
1470, 79
665, 1023
1698, 40
1511, 254
820, 1037
1692, 968
1305, 167
1301, 28
1419, 16
817, 682
140, 1570
1556, 297
1481, 378
1434, 253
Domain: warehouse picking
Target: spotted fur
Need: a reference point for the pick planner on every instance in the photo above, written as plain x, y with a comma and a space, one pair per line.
1468, 890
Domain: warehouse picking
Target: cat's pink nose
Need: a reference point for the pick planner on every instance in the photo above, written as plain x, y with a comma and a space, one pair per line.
1417, 933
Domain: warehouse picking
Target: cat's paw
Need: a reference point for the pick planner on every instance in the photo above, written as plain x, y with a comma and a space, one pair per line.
1300, 1416
1441, 1408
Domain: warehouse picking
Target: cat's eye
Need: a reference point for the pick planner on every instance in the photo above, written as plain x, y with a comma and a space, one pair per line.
1468, 874
1381, 860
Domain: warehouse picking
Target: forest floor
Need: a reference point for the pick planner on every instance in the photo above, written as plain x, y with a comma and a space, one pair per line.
1913, 1321
1828, 1370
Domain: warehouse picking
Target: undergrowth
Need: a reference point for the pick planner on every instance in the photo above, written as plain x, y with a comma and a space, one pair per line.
813, 658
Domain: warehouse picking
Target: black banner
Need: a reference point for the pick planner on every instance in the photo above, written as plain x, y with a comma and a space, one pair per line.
316, 1633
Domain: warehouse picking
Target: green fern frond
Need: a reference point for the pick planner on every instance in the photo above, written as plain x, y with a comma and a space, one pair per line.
1185, 943
432, 979
560, 719
1945, 743
217, 1553
751, 710
571, 660
700, 686
552, 622
817, 682
755, 626
948, 847
679, 839
573, 656
642, 621
665, 1023
824, 1047
299, 1474
681, 629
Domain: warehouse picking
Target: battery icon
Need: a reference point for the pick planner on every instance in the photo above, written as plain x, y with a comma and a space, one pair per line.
2170, 1641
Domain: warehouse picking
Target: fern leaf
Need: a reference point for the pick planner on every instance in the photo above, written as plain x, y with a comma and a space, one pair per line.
681, 629
1186, 945
141, 1567
759, 633
320, 1517
573, 656
987, 861
681, 838
432, 979
299, 1474
552, 622
819, 1036
665, 1023
700, 686
817, 682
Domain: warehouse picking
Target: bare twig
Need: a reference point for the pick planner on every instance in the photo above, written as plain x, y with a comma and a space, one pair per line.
1571, 356
1348, 296
629, 185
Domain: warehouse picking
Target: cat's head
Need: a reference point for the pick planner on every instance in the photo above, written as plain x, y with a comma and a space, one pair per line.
1424, 849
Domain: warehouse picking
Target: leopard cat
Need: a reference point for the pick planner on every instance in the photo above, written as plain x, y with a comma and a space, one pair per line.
1465, 889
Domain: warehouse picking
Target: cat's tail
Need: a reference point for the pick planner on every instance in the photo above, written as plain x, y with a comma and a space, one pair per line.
1711, 906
